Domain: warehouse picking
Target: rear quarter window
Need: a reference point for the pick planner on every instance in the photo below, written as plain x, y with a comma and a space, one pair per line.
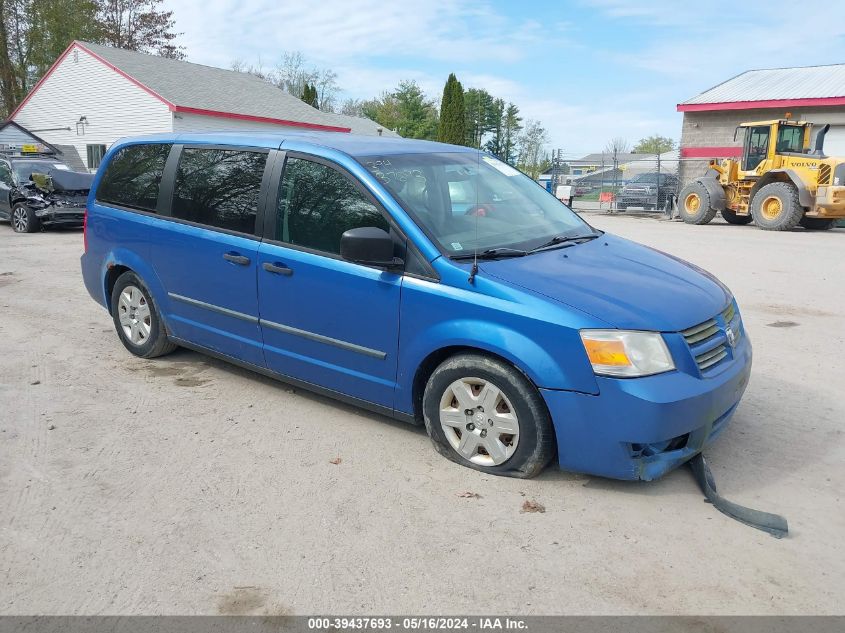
133, 175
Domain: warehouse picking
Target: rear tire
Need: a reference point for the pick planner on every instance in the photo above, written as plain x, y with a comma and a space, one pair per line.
137, 319
24, 219
817, 224
775, 207
731, 217
481, 440
694, 204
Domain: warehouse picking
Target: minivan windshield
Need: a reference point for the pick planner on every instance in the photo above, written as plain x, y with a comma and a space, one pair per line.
469, 202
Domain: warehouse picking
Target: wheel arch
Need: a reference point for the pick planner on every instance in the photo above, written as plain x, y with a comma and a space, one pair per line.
805, 198
124, 260
714, 190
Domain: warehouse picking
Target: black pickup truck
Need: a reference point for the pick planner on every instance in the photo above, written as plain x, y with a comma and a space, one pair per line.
40, 192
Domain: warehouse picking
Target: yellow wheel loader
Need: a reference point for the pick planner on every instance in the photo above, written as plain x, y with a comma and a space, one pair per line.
779, 182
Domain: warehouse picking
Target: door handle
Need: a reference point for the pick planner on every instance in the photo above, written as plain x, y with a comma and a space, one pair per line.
278, 269
235, 258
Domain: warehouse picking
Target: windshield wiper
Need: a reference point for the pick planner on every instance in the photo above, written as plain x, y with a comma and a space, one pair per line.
492, 253
561, 240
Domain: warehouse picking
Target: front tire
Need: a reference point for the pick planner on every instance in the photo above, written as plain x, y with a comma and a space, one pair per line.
694, 204
137, 319
484, 414
24, 219
775, 207
817, 224
731, 217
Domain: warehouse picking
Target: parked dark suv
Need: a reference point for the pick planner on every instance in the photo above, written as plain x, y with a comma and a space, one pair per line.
642, 191
38, 191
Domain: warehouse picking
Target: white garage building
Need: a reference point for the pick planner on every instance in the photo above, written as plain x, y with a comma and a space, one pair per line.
94, 95
810, 93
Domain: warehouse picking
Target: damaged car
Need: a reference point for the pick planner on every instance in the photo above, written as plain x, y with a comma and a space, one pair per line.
36, 193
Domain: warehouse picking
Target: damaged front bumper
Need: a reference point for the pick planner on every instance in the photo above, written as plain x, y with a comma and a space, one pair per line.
641, 428
54, 215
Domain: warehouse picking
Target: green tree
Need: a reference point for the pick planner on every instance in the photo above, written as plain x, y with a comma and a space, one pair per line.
452, 126
512, 126
417, 113
384, 110
478, 104
496, 144
53, 24
654, 144
309, 95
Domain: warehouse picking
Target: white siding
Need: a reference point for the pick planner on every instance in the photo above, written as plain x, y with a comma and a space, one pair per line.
13, 136
834, 141
114, 106
185, 122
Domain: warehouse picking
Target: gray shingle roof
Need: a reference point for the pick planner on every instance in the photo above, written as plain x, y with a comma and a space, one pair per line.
192, 85
363, 125
808, 82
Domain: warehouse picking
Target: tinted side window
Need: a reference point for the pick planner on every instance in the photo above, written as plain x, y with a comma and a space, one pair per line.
318, 203
133, 175
219, 188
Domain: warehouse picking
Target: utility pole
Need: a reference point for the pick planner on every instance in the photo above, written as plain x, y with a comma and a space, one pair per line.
615, 178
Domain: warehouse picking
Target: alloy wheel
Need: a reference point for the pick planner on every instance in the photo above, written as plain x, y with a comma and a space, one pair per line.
20, 221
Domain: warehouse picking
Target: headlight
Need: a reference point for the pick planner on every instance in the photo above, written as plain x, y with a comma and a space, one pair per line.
627, 354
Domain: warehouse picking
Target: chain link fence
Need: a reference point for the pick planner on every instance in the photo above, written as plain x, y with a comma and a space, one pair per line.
646, 182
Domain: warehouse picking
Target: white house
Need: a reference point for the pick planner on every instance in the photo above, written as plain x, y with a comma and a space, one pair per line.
94, 95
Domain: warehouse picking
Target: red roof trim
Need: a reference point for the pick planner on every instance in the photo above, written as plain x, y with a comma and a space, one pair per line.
172, 106
259, 119
711, 152
771, 103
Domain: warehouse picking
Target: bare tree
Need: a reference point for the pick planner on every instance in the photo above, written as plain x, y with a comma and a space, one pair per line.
617, 145
138, 25
352, 107
532, 154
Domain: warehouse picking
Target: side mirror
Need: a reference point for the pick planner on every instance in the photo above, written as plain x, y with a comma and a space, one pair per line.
368, 245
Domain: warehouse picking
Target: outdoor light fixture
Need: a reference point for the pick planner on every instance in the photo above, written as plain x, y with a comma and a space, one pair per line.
80, 125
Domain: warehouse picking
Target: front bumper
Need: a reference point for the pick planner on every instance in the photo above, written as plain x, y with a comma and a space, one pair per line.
61, 216
642, 428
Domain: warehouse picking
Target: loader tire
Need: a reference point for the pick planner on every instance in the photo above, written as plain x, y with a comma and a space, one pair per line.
775, 207
731, 217
817, 224
694, 204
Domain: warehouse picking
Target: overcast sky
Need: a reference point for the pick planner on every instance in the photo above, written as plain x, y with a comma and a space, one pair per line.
589, 70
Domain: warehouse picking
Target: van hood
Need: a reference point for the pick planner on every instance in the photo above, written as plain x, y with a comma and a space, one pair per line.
625, 284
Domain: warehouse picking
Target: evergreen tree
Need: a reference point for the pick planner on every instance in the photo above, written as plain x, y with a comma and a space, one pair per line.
512, 126
309, 95
452, 116
496, 145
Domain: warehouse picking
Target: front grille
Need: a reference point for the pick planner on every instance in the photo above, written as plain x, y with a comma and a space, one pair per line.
700, 332
824, 175
708, 341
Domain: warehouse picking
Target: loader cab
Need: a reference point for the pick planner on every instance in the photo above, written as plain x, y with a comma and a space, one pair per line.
766, 139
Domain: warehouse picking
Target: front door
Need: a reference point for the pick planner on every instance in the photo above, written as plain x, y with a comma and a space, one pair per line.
756, 147
207, 253
324, 320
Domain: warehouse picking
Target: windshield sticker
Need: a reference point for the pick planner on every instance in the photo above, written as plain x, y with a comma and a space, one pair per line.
504, 168
456, 246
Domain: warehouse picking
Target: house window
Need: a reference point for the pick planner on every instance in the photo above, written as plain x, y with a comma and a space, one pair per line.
95, 155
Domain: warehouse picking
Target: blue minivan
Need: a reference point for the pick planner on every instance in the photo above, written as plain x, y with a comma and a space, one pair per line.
432, 283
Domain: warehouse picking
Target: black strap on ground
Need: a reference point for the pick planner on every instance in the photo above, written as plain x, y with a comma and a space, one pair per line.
774, 524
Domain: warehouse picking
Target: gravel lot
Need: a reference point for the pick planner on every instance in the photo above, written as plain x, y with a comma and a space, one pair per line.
187, 486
